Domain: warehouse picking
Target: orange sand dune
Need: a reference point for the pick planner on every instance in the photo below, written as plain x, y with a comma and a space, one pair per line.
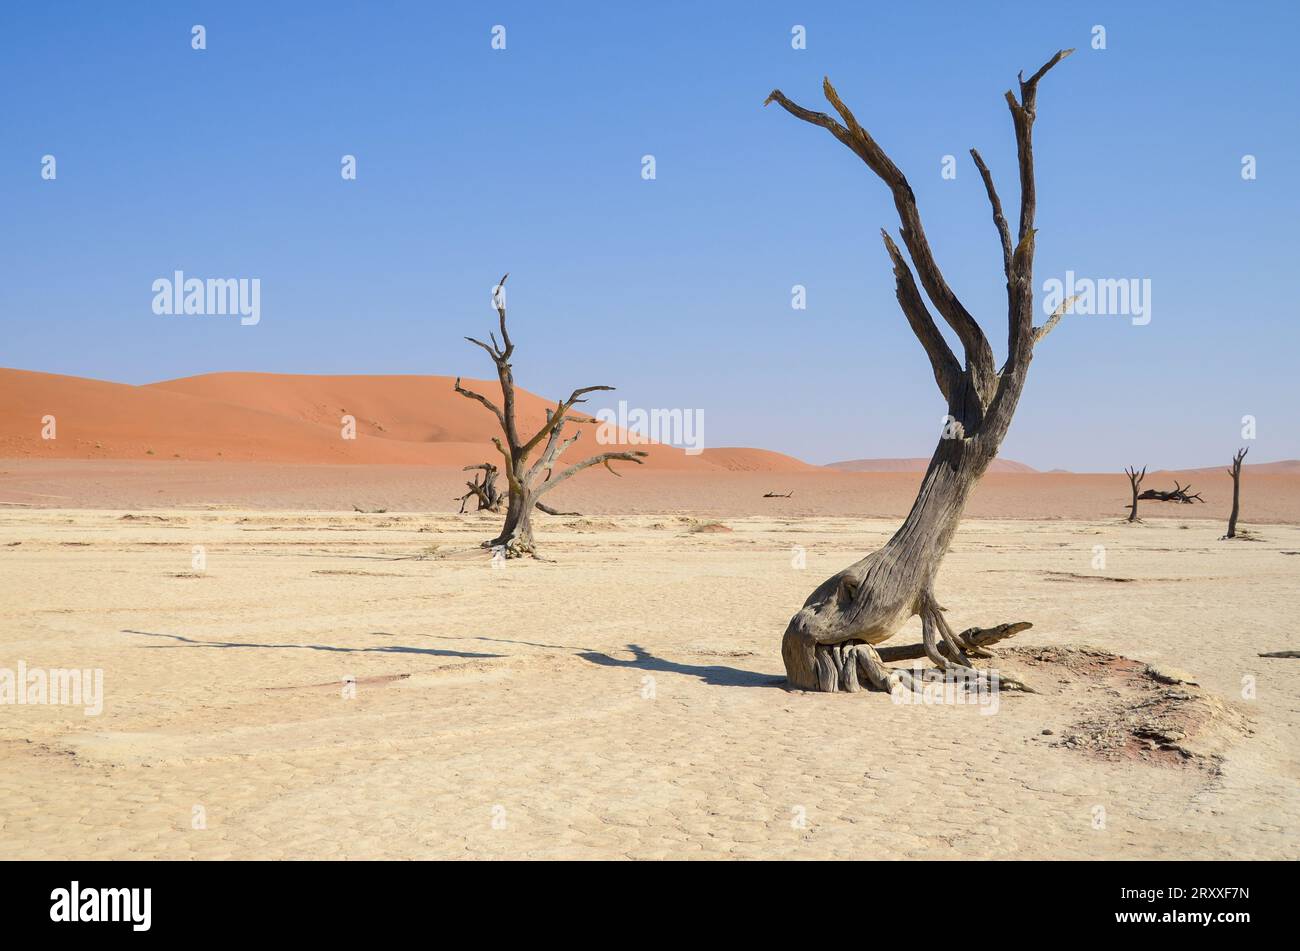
735, 459
271, 417
1283, 467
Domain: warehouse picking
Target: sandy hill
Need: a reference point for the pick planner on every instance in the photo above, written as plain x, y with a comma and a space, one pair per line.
1282, 467
270, 417
917, 465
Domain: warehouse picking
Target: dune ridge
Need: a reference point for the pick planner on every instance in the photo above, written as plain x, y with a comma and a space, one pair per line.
297, 418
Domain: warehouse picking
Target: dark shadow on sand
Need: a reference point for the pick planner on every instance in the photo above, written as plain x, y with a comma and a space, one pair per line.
428, 651
713, 674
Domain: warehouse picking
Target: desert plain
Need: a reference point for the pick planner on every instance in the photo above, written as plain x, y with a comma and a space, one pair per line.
311, 660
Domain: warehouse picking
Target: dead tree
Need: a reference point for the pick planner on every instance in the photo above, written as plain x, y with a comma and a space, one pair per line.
486, 491
527, 483
1235, 472
1135, 480
489, 496
1179, 493
832, 637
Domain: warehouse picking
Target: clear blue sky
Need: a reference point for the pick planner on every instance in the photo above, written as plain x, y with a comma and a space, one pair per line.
471, 162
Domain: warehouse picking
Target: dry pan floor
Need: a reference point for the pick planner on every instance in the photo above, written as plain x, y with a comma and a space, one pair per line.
320, 686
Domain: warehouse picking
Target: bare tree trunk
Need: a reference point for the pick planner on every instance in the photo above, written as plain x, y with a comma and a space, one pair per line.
829, 644
1135, 482
1235, 472
516, 535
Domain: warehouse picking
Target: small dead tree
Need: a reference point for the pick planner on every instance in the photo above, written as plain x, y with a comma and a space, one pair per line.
489, 496
1135, 481
486, 491
527, 483
831, 639
1235, 472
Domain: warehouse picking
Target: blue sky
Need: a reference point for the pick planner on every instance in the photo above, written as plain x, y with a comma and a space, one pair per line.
472, 161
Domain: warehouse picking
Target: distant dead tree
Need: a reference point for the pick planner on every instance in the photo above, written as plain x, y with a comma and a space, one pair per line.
1235, 472
489, 496
527, 483
1179, 493
832, 637
485, 491
1135, 481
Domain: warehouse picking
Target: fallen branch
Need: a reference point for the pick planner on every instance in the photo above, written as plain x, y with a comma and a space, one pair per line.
977, 637
550, 511
1179, 493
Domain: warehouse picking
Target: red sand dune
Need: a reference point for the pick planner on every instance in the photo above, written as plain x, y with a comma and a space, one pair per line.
917, 465
1284, 467
270, 417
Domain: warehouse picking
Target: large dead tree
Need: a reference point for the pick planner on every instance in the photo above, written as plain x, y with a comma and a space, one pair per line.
1135, 483
831, 639
1235, 472
527, 483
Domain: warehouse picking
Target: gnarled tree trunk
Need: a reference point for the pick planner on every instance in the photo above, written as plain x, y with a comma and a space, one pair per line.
829, 643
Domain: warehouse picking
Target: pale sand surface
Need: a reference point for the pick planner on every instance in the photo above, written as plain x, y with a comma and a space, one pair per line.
524, 688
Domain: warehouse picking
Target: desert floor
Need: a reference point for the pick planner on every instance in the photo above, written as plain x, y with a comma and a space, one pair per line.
124, 484
625, 699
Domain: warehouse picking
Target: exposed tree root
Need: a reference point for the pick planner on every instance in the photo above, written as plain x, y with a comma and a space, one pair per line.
513, 547
851, 666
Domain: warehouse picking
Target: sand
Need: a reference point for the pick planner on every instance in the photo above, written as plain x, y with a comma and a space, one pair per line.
305, 653
624, 700
1267, 497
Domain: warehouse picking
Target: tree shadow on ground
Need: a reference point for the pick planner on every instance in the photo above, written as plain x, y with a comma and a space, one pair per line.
428, 651
713, 674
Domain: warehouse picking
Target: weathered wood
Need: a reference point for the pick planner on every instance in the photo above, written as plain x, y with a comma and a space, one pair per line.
1179, 493
976, 638
1135, 482
1235, 472
485, 492
869, 601
527, 483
